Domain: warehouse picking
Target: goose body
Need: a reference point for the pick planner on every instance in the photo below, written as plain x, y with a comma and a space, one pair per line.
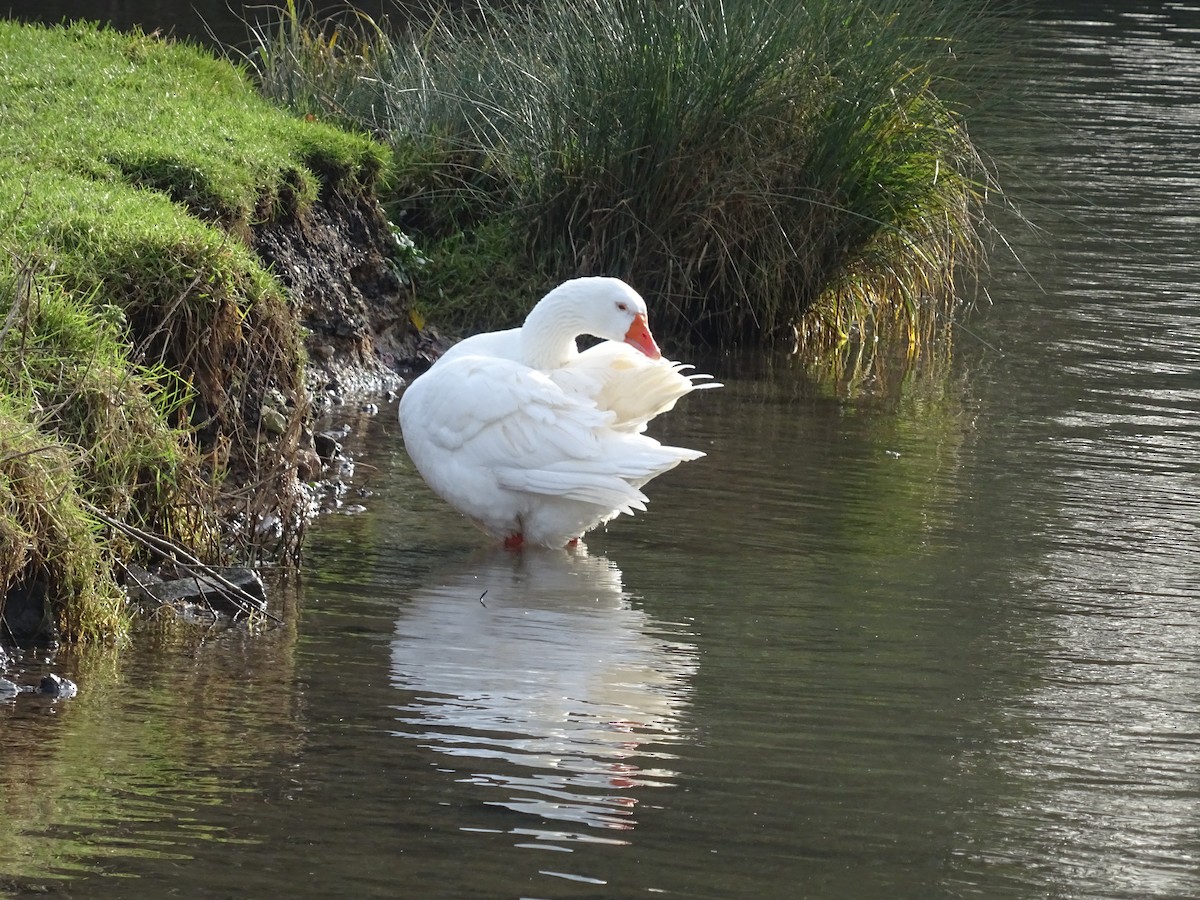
537, 442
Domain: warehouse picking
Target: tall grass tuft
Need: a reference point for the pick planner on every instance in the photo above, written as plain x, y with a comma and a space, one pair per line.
754, 167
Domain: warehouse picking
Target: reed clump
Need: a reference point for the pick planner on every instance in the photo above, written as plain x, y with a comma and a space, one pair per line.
756, 168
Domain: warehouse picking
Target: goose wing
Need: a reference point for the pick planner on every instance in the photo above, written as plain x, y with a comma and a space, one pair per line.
530, 434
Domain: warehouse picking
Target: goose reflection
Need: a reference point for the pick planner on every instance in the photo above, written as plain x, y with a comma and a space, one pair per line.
536, 675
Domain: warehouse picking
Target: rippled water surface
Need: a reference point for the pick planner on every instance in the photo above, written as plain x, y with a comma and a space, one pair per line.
914, 634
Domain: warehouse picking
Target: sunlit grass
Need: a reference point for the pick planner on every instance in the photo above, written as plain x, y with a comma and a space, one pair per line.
757, 169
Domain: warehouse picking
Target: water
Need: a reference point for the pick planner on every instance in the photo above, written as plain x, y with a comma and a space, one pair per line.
902, 634
213, 22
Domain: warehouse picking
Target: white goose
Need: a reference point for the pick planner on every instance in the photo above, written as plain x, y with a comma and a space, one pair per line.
536, 442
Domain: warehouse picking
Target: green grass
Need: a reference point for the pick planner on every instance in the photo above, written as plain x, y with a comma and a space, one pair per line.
127, 109
47, 541
138, 331
756, 169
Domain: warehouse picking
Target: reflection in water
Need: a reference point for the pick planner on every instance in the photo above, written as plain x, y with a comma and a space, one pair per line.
161, 736
534, 675
1107, 763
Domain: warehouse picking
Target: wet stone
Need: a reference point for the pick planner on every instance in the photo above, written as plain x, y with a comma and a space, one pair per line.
57, 686
248, 593
327, 444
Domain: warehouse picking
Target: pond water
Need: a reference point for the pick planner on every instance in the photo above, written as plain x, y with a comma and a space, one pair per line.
924, 631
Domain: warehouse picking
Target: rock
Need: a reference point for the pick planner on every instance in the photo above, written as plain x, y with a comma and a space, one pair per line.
269, 526
308, 465
139, 582
325, 446
56, 686
345, 467
136, 576
328, 444
273, 421
204, 589
8, 689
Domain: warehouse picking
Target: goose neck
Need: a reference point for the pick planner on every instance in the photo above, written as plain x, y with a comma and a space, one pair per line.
549, 333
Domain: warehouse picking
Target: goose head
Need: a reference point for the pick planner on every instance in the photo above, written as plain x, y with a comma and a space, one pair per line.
603, 307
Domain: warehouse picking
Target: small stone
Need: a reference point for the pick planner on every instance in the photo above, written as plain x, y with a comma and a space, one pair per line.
201, 588
326, 446
57, 686
273, 421
8, 689
138, 581
308, 465
269, 525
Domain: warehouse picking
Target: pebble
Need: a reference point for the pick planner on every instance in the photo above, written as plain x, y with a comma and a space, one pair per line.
57, 686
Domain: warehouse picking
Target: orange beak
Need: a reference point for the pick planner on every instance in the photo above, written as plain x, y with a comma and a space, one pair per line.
639, 336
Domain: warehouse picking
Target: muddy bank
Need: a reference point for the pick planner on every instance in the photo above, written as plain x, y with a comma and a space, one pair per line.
351, 295
344, 287
172, 249
337, 265
189, 276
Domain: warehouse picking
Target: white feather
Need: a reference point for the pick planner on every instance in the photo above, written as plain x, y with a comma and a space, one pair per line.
550, 452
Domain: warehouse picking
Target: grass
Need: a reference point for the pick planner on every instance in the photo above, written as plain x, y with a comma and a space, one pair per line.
757, 169
139, 334
129, 109
47, 542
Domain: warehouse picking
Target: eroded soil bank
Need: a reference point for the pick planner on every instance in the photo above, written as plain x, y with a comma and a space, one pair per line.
188, 276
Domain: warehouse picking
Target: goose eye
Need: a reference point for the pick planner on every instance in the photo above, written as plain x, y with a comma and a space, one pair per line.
623, 307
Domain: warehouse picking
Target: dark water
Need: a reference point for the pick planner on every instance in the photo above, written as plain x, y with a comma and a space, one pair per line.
931, 632
212, 22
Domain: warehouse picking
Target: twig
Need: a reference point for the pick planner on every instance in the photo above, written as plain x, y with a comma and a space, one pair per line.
168, 550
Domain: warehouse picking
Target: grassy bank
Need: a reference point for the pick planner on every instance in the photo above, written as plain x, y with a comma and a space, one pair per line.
141, 340
755, 168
